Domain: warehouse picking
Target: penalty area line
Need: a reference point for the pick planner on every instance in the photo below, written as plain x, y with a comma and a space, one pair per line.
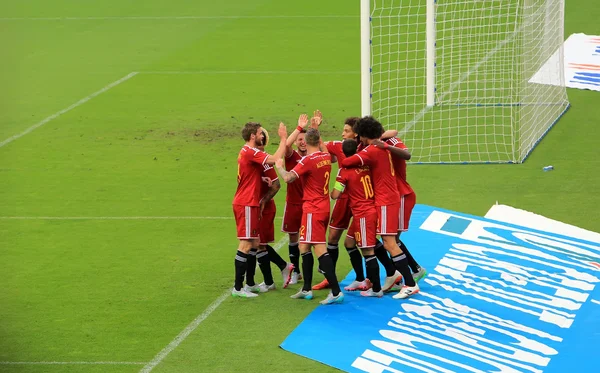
65, 110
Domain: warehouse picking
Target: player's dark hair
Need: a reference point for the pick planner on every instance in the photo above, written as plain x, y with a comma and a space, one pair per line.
349, 147
352, 121
369, 128
313, 137
249, 129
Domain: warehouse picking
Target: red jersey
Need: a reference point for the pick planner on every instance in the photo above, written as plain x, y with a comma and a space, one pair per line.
268, 171
294, 190
400, 167
382, 170
314, 171
250, 166
335, 148
359, 188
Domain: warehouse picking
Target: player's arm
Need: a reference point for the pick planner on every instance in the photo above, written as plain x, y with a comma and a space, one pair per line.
273, 189
353, 161
281, 150
302, 123
338, 189
396, 152
274, 186
287, 176
389, 134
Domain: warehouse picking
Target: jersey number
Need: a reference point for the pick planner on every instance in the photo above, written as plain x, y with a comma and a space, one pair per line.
367, 186
239, 176
326, 187
391, 164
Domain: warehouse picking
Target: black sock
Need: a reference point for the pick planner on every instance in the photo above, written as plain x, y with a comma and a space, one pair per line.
276, 258
251, 269
334, 253
357, 263
373, 271
265, 266
308, 262
241, 261
295, 256
326, 265
401, 264
412, 263
383, 257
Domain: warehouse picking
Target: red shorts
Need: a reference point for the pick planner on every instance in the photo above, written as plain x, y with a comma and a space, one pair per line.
314, 227
364, 231
292, 217
341, 214
407, 203
246, 220
387, 219
266, 227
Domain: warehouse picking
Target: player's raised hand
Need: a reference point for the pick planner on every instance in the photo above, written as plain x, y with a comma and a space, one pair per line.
316, 120
279, 163
282, 131
303, 120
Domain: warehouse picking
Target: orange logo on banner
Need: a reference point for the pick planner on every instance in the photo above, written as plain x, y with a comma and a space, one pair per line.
585, 66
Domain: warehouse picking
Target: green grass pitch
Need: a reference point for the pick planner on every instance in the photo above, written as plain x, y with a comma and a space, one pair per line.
162, 144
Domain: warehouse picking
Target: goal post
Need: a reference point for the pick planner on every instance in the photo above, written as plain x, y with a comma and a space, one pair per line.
453, 76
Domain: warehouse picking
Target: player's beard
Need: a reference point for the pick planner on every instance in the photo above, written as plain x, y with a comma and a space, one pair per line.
258, 142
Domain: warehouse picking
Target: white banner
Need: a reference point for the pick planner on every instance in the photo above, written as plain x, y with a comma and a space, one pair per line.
581, 64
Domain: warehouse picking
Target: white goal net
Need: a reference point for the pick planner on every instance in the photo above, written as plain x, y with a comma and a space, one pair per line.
474, 59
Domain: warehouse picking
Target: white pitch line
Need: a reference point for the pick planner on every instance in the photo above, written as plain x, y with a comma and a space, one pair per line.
119, 217
142, 18
461, 79
194, 324
596, 301
58, 114
70, 363
284, 72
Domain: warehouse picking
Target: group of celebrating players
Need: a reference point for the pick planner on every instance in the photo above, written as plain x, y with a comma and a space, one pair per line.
372, 197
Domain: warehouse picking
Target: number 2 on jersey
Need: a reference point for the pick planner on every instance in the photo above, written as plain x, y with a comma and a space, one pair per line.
326, 187
367, 186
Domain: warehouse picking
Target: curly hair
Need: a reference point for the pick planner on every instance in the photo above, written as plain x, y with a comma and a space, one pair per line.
369, 128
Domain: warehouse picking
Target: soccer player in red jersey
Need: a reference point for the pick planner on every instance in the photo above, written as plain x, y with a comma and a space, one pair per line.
356, 184
408, 198
314, 170
292, 212
246, 203
341, 214
265, 253
387, 197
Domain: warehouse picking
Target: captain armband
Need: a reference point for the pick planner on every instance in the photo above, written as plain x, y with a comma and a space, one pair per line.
339, 186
